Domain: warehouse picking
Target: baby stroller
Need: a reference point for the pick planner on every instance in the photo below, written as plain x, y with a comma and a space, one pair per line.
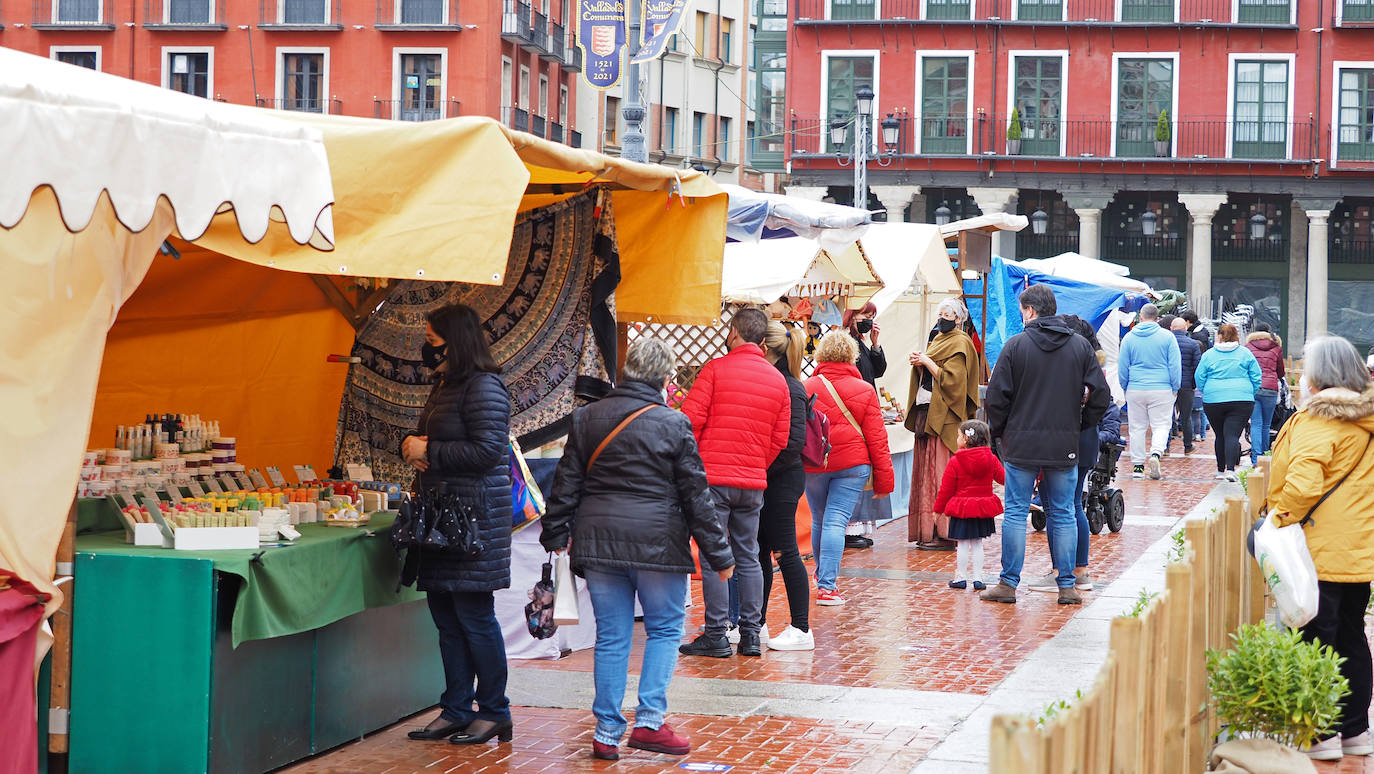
1103, 503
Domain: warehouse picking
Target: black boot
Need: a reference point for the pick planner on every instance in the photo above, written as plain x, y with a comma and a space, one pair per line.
749, 644
706, 645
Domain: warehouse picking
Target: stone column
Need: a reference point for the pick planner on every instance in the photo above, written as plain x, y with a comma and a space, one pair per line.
994, 201
1202, 207
1088, 205
1295, 323
813, 193
895, 199
1316, 272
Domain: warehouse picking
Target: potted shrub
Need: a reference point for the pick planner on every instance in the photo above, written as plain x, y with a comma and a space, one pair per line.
1162, 134
1272, 688
1014, 133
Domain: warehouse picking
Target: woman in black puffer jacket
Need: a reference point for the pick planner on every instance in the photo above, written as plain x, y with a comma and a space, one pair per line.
462, 442
630, 512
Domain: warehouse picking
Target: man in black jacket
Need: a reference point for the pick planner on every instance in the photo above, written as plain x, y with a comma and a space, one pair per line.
1189, 354
1046, 388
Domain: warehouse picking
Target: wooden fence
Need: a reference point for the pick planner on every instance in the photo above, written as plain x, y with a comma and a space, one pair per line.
1148, 711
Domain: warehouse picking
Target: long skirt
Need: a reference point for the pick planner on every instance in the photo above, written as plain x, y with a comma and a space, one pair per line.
928, 464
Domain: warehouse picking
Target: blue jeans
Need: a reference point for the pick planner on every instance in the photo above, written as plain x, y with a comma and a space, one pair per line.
832, 497
1261, 418
1199, 417
1056, 492
662, 595
472, 649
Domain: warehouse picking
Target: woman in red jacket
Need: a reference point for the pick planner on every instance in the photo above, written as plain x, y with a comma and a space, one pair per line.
858, 448
1267, 348
966, 497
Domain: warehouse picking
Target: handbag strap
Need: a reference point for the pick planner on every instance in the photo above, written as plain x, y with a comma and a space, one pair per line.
1332, 490
623, 424
843, 408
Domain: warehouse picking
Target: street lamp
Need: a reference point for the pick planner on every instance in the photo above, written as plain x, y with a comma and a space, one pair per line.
862, 147
1040, 222
892, 129
942, 215
1257, 225
838, 128
863, 96
1149, 222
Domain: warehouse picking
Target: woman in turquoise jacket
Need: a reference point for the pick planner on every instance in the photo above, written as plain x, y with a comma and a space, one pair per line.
1229, 376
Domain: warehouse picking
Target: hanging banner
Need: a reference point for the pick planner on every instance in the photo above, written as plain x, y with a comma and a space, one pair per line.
662, 20
601, 36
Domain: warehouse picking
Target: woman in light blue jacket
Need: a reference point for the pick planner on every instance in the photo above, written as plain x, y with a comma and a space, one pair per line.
1229, 376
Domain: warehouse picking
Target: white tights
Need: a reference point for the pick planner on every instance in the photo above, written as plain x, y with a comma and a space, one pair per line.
968, 553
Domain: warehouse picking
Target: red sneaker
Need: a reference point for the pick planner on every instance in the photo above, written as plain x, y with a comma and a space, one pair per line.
605, 752
663, 740
829, 597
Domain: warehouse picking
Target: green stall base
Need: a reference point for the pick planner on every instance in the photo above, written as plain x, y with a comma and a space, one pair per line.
157, 687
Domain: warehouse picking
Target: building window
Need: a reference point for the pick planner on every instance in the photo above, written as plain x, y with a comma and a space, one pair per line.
507, 75
89, 59
1231, 237
1263, 12
669, 138
1355, 132
772, 15
749, 142
523, 95
846, 74
422, 11
77, 11
563, 105
853, 10
189, 72
422, 84
302, 82
304, 11
752, 38
770, 103
1040, 10
1352, 232
1147, 10
1145, 88
948, 10
944, 104
611, 135
727, 29
698, 135
1261, 110
700, 41
187, 11
1357, 10
1124, 232
1061, 226
723, 139
1039, 103
543, 95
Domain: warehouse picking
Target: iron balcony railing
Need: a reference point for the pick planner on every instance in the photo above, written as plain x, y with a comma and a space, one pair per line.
555, 50
555, 132
1032, 245
331, 106
539, 31
515, 22
1240, 248
1135, 247
572, 57
537, 124
415, 110
1351, 250
1267, 12
575, 138
73, 13
522, 120
1192, 139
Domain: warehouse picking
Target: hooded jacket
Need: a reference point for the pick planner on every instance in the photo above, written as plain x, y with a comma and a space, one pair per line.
1268, 351
1150, 359
741, 414
848, 447
1035, 401
966, 488
1189, 355
1228, 373
1323, 441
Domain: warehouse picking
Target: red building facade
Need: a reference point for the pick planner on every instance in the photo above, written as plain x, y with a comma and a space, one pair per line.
1222, 146
391, 59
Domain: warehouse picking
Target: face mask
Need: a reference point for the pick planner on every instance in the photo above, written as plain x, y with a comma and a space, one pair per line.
432, 356
864, 326
946, 326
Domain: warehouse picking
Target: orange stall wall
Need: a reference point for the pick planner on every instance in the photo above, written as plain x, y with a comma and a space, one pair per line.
233, 342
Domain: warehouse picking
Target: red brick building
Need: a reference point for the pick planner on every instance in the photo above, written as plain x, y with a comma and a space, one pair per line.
1222, 146
392, 59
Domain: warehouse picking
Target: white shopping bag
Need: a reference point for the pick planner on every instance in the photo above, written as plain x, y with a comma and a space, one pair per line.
1288, 570
564, 592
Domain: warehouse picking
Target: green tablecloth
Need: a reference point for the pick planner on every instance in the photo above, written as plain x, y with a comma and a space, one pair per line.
96, 515
328, 574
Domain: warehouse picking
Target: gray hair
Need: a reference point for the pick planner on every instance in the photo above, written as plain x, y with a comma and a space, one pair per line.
956, 306
1149, 312
650, 361
1331, 361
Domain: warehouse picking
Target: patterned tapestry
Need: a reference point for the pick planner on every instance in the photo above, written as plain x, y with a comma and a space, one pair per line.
552, 328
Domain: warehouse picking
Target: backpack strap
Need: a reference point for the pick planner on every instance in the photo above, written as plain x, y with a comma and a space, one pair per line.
843, 408
623, 424
1332, 490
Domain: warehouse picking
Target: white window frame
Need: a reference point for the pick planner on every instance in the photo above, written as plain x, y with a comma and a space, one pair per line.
1029, 53
1172, 56
100, 15
1340, 12
670, 137
1117, 18
443, 22
1292, 11
1016, 9
972, 9
507, 87
877, 9
542, 101
876, 56
921, 84
1231, 60
209, 13
328, 12
53, 51
722, 149
166, 68
522, 88
283, 52
563, 105
397, 53
1334, 134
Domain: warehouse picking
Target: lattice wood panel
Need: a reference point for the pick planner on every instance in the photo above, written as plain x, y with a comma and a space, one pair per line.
697, 345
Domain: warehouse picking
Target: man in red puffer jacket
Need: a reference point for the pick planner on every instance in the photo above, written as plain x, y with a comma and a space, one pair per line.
741, 415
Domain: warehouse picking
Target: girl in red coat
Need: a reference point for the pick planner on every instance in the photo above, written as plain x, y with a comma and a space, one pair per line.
966, 497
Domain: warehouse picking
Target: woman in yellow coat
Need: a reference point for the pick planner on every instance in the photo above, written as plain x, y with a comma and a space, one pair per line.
1329, 445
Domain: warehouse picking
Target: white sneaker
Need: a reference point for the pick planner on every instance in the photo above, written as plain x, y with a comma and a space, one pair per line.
1152, 465
1220, 476
792, 638
763, 635
1326, 750
732, 635
1048, 584
1246, 463
1231, 476
1358, 745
